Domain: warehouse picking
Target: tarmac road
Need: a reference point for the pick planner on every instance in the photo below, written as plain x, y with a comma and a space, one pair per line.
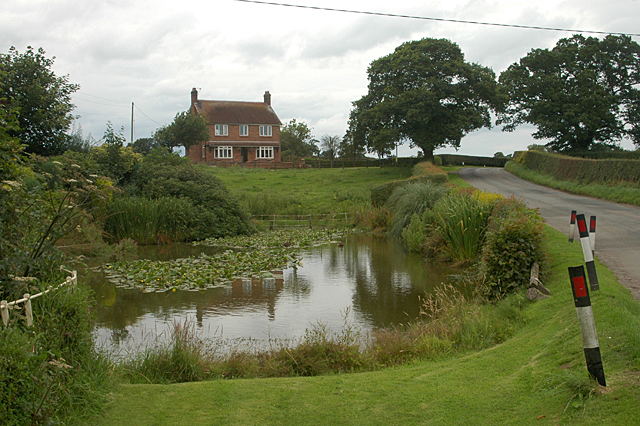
618, 225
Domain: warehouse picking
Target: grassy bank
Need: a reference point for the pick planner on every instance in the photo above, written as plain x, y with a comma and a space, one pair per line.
306, 191
538, 375
621, 193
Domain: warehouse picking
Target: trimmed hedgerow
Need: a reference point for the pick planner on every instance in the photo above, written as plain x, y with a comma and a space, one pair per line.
581, 170
514, 240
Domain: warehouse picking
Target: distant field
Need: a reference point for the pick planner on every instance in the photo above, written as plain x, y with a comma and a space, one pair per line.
306, 191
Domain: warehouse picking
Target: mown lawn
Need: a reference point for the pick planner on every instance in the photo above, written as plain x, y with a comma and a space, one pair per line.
536, 377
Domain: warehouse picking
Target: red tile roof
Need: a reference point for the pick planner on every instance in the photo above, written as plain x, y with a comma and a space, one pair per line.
231, 112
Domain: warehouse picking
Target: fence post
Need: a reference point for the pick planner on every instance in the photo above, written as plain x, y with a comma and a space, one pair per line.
590, 343
588, 253
271, 225
28, 313
5, 312
310, 225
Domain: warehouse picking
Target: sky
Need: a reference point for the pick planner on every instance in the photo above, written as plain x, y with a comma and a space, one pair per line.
151, 53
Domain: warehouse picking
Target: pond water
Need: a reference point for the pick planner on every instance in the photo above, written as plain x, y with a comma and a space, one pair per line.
368, 282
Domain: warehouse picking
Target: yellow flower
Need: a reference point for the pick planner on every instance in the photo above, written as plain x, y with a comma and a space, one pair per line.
173, 289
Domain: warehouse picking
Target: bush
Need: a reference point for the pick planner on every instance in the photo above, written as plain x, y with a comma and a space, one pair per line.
51, 372
514, 241
412, 199
423, 172
215, 212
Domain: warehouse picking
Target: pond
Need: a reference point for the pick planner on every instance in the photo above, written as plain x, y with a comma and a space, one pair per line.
366, 281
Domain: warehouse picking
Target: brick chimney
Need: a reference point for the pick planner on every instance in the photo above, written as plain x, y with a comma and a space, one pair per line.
194, 96
267, 98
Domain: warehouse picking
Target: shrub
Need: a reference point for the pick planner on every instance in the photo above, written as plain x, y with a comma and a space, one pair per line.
514, 241
412, 198
424, 172
462, 221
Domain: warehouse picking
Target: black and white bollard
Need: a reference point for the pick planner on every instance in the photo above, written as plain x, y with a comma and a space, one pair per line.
587, 324
592, 233
572, 225
588, 253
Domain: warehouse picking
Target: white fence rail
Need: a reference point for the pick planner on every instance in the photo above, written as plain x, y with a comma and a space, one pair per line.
303, 220
27, 298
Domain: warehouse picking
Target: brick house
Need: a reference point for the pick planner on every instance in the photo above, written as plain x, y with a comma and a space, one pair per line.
246, 133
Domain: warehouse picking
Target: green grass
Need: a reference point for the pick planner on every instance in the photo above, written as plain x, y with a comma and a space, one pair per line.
621, 193
540, 371
306, 191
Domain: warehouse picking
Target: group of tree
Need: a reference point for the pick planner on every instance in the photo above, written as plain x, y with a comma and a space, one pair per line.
583, 94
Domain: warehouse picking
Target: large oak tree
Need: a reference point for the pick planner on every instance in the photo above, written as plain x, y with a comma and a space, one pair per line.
424, 93
581, 93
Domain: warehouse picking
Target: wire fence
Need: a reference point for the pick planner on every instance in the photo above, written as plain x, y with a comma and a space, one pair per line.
329, 220
5, 306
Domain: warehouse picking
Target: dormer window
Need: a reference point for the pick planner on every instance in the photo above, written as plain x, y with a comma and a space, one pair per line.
244, 130
265, 131
222, 130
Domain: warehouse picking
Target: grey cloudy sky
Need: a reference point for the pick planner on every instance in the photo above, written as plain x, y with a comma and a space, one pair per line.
313, 62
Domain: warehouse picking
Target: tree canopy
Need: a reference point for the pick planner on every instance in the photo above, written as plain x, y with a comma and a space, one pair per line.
424, 92
185, 130
580, 94
42, 100
296, 140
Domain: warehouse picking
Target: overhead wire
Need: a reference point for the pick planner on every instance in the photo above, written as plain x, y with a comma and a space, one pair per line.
457, 21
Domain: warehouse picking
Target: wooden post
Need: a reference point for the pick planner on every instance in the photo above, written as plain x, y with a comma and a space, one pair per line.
590, 343
28, 313
310, 224
5, 312
271, 225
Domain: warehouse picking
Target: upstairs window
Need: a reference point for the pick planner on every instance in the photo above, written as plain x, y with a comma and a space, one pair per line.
244, 130
264, 152
222, 130
223, 152
265, 131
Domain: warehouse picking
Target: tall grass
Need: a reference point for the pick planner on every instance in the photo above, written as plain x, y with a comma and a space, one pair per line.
148, 221
462, 220
412, 198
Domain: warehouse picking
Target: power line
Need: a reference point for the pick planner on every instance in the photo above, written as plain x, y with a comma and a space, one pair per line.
141, 112
456, 21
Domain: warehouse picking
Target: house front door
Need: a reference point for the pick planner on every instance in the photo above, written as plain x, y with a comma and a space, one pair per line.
245, 154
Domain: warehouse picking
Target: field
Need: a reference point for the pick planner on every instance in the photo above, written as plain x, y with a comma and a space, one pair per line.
306, 191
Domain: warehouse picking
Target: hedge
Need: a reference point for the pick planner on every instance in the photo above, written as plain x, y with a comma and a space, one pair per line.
322, 163
609, 171
469, 160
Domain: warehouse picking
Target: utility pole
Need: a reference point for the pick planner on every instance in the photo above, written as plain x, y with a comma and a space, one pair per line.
131, 123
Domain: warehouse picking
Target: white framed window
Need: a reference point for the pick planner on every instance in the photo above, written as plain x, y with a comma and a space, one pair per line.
244, 130
265, 130
222, 130
223, 152
264, 152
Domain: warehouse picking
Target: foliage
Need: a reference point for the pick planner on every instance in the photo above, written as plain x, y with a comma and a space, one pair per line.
412, 199
144, 145
113, 158
462, 221
51, 372
42, 100
424, 92
215, 211
581, 92
606, 171
470, 160
146, 221
349, 148
186, 130
330, 144
296, 140
422, 172
514, 241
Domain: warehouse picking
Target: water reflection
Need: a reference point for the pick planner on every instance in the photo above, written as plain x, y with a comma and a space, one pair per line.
373, 279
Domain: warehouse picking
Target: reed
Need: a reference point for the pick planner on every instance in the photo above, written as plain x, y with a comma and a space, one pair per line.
412, 198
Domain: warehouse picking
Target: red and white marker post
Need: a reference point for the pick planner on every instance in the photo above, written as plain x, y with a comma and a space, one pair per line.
587, 324
572, 225
592, 233
588, 253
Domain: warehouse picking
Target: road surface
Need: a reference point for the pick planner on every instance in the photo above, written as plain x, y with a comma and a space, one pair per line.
618, 225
